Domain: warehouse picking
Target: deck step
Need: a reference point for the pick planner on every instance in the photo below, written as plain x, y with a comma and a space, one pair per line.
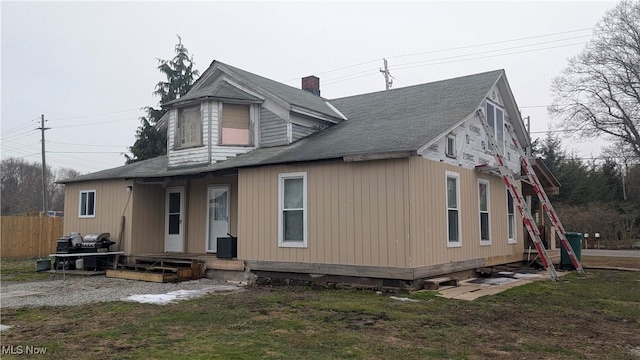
143, 276
159, 269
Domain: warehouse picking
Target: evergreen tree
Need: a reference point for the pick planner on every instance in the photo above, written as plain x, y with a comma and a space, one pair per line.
180, 76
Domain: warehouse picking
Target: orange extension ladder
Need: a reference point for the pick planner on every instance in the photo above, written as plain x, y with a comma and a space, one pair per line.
521, 204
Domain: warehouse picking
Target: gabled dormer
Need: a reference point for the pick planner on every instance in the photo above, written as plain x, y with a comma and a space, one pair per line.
229, 111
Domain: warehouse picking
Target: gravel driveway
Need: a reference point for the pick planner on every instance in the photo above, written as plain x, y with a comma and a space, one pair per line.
88, 290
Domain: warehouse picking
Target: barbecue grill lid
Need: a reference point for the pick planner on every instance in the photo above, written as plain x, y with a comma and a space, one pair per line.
97, 237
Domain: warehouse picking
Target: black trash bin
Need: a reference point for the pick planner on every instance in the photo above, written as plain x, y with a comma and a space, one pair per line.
575, 240
227, 247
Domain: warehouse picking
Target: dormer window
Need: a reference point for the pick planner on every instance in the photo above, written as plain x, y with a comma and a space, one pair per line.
235, 125
450, 149
189, 127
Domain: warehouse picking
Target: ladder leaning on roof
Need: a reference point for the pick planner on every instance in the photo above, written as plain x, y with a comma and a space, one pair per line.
521, 205
544, 200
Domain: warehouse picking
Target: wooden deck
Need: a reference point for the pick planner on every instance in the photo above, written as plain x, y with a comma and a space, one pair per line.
158, 269
210, 260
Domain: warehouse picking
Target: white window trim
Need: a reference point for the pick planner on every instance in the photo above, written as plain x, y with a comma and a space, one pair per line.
281, 242
487, 183
514, 239
451, 154
495, 128
177, 142
254, 113
448, 174
95, 198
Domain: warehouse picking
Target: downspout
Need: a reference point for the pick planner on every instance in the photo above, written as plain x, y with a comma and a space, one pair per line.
210, 123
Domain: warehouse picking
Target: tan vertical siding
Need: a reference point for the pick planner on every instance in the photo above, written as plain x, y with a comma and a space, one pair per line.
348, 208
111, 204
197, 207
148, 216
428, 215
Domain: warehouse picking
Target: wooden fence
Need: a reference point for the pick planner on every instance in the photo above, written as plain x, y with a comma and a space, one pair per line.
29, 236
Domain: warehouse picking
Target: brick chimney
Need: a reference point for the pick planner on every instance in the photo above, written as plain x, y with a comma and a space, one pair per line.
311, 84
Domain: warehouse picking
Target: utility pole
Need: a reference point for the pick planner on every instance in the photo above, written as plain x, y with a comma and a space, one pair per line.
44, 167
387, 76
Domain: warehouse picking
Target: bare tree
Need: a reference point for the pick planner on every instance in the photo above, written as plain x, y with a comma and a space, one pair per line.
21, 186
56, 191
598, 92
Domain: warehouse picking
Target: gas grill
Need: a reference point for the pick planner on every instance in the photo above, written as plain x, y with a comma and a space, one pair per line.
96, 242
91, 243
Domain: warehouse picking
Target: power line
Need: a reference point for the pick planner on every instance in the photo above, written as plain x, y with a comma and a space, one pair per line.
18, 128
93, 123
491, 43
85, 152
449, 62
492, 51
92, 115
449, 49
92, 145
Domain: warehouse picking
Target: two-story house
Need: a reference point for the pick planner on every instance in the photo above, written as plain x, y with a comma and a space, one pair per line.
381, 185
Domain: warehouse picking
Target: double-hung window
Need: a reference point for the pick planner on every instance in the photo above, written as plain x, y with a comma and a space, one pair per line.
511, 220
292, 214
87, 204
235, 125
485, 220
453, 209
189, 127
495, 119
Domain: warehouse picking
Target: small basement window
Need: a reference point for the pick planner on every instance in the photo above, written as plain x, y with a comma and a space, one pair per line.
87, 204
235, 125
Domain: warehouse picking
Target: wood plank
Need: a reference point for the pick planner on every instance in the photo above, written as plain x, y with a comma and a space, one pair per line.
333, 269
448, 268
235, 265
144, 276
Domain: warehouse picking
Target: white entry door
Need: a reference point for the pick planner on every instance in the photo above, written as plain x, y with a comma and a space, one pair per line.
218, 215
174, 224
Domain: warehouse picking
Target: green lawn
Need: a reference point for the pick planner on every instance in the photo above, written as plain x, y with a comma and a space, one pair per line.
596, 316
21, 270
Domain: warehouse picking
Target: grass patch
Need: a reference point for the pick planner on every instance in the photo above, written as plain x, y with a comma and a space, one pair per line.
633, 263
21, 270
592, 316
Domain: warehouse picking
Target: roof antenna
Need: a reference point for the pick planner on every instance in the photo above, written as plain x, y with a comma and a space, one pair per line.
387, 75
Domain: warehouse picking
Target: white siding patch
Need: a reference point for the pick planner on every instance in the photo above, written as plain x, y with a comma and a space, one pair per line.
471, 148
189, 156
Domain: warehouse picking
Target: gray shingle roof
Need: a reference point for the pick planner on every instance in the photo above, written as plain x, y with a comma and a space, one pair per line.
221, 90
397, 120
288, 93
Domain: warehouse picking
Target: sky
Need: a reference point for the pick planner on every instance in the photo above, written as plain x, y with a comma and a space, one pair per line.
90, 67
